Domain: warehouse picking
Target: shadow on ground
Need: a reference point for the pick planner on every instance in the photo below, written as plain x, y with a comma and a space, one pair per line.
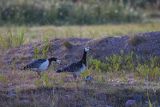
79, 97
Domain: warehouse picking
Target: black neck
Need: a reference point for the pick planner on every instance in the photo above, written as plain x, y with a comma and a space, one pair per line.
51, 59
83, 60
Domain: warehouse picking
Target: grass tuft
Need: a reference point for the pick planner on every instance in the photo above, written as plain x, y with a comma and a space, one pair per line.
42, 52
12, 40
127, 63
68, 45
136, 40
3, 79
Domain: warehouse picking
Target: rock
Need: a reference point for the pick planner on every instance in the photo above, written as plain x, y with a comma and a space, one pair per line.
101, 48
25, 101
108, 106
88, 78
130, 103
11, 93
138, 97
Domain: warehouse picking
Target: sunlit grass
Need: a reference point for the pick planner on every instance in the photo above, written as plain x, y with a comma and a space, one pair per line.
33, 34
11, 40
104, 74
106, 83
95, 31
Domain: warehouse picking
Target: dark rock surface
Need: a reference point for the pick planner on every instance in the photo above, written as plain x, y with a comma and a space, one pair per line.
144, 44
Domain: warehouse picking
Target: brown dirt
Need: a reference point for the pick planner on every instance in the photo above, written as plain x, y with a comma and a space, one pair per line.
148, 44
70, 50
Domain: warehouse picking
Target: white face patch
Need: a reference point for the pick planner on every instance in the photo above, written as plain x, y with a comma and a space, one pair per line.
86, 49
58, 61
44, 66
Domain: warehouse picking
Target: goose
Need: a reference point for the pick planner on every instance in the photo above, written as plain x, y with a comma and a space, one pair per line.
41, 65
78, 67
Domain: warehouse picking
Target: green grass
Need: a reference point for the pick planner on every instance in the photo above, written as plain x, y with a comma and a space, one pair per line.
42, 52
53, 86
34, 34
73, 12
11, 40
128, 64
110, 76
68, 12
3, 79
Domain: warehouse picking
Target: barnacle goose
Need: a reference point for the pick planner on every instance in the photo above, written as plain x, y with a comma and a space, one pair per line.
78, 67
40, 65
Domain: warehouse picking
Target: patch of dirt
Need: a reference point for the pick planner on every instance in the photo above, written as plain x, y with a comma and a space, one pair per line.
70, 50
101, 48
68, 97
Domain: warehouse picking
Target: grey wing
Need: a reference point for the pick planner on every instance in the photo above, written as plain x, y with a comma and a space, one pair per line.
36, 63
73, 67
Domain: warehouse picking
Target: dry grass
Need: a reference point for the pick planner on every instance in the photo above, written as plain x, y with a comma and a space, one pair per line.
136, 40
33, 34
60, 90
68, 45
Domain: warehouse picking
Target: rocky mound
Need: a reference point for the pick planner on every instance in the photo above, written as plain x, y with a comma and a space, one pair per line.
71, 49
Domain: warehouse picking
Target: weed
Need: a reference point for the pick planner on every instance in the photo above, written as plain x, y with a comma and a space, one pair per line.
127, 63
68, 45
101, 79
81, 31
86, 73
150, 104
114, 62
95, 64
3, 79
136, 40
68, 12
12, 40
38, 83
44, 50
36, 53
145, 70
46, 80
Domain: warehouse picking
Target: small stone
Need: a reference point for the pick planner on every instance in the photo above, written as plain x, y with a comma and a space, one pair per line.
11, 93
89, 78
138, 98
130, 103
108, 106
25, 101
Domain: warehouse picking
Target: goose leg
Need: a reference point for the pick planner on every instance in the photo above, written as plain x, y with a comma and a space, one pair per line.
39, 74
74, 76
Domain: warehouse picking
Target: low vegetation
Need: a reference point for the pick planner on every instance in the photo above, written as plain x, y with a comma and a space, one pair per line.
68, 45
113, 77
42, 53
70, 12
11, 40
136, 40
17, 36
130, 63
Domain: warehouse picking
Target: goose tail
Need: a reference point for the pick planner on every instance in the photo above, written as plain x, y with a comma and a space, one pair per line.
59, 71
25, 68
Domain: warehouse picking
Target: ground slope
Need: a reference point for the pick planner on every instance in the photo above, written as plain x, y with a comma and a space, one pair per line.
71, 49
19, 88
